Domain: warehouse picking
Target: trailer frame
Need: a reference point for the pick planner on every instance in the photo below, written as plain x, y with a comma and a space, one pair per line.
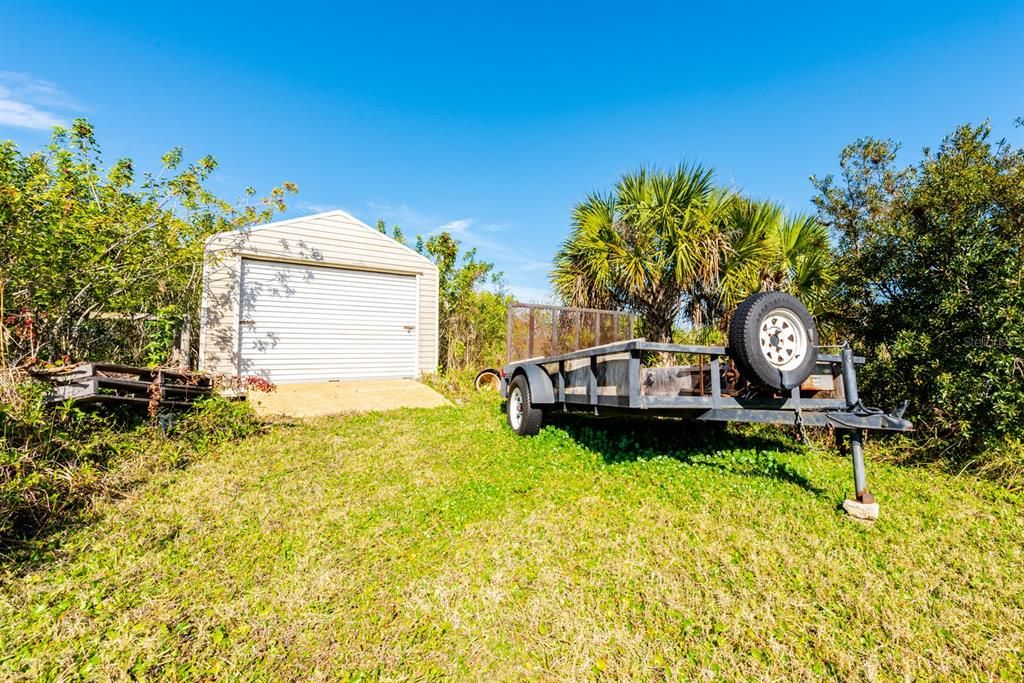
606, 380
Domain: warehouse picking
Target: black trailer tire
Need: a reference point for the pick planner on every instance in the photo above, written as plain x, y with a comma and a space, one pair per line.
773, 340
523, 417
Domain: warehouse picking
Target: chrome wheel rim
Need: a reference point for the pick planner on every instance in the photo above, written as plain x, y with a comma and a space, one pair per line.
783, 339
515, 408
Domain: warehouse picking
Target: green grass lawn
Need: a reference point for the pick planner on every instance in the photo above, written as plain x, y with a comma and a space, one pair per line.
436, 544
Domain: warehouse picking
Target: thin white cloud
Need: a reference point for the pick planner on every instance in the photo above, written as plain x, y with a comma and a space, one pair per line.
456, 227
474, 234
402, 215
315, 207
24, 115
37, 90
506, 257
530, 295
29, 102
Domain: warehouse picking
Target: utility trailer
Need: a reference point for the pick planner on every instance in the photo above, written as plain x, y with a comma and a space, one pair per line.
772, 372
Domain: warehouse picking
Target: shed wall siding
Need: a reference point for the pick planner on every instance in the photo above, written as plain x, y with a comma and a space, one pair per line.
334, 239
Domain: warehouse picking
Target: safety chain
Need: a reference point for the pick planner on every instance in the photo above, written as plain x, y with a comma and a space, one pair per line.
798, 422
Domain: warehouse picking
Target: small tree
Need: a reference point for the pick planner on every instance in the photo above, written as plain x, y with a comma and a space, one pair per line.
472, 302
80, 243
472, 318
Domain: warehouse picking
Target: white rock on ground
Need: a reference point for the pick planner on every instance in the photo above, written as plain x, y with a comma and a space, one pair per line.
858, 510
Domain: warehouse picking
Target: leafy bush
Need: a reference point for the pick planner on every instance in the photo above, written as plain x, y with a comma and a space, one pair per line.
52, 461
215, 420
931, 286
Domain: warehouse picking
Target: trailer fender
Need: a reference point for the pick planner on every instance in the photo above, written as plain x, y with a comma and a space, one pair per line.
541, 390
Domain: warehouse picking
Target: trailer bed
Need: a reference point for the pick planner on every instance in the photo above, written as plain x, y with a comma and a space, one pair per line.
612, 379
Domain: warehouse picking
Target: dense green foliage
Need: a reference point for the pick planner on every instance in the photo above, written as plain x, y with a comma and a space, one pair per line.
99, 263
472, 303
53, 460
671, 244
438, 545
88, 253
931, 286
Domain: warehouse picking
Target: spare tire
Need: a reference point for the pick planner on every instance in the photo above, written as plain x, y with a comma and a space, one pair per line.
773, 341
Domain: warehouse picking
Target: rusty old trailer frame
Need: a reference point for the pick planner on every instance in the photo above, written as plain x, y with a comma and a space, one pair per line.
606, 380
124, 384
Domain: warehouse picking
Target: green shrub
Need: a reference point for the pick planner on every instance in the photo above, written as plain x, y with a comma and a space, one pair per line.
931, 287
1005, 462
215, 420
471, 332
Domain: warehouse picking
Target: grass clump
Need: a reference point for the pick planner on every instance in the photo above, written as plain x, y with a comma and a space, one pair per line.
55, 460
426, 544
458, 386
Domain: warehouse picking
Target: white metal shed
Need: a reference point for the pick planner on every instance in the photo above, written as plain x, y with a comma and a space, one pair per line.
317, 299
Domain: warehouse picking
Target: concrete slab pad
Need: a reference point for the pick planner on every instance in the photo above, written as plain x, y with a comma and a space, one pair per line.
333, 398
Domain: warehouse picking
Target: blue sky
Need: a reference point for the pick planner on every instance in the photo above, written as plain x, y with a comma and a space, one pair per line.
494, 120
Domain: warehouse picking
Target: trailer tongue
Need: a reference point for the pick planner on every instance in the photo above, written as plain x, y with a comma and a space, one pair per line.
795, 384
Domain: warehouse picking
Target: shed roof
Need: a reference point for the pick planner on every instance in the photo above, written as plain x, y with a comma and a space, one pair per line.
336, 213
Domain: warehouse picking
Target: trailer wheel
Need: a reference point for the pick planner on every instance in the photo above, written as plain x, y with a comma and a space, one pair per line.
773, 340
523, 417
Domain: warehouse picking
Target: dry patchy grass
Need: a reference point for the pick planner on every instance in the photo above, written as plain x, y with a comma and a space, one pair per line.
428, 544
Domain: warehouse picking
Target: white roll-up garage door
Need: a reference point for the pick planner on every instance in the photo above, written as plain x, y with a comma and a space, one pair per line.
304, 323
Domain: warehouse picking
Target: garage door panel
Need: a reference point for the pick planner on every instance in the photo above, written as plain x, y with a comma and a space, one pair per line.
286, 281
335, 336
304, 323
307, 348
315, 310
274, 296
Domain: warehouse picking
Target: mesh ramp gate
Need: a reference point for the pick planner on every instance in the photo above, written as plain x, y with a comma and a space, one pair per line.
536, 330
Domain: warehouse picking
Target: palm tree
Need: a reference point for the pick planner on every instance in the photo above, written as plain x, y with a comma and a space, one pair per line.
663, 244
747, 251
645, 246
805, 266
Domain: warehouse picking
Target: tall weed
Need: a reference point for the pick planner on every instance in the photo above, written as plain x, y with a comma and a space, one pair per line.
55, 460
